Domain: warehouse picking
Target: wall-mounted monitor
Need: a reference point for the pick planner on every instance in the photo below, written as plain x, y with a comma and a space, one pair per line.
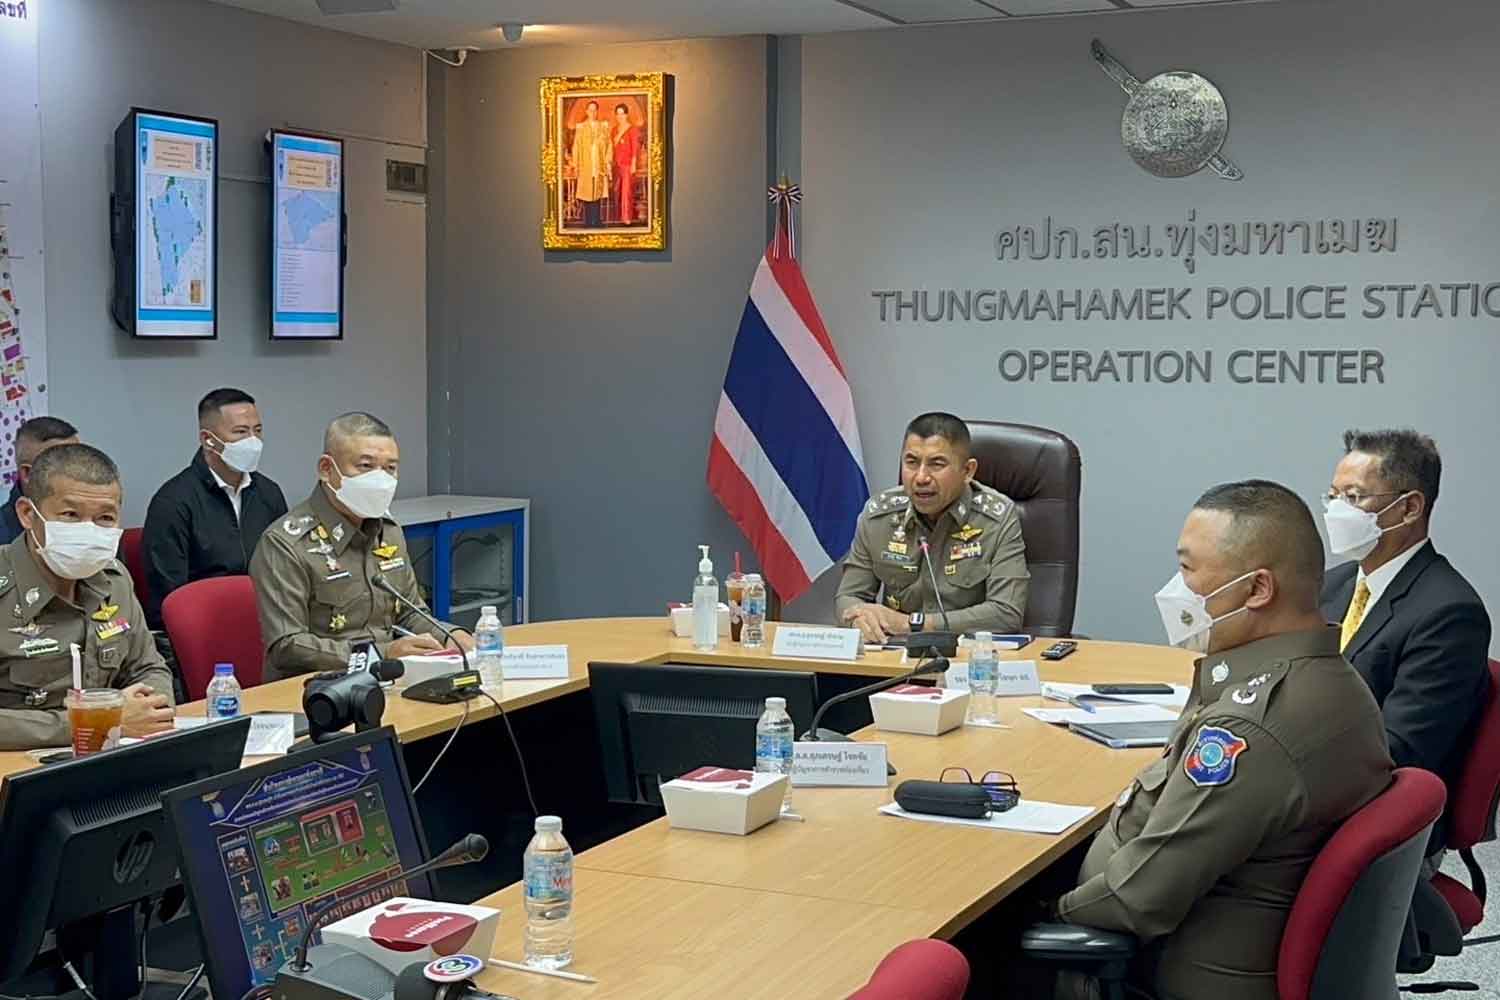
164, 225
307, 236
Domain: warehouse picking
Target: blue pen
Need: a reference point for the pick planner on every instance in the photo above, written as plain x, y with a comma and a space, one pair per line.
1074, 700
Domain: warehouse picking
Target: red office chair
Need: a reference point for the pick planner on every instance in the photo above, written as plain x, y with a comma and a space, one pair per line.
1344, 930
1476, 797
918, 970
134, 557
214, 621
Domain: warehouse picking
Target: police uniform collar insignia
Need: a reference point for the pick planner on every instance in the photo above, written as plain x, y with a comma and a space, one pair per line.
105, 612
385, 551
33, 595
1124, 798
962, 511
338, 532
297, 526
4, 582
1240, 697
1220, 672
1210, 762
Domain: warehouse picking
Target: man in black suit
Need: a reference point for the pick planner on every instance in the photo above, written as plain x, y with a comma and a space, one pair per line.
1411, 624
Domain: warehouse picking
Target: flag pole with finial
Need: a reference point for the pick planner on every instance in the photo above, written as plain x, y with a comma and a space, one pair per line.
785, 195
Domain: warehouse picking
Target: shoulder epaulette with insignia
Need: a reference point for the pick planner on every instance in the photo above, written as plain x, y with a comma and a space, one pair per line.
991, 502
296, 526
888, 502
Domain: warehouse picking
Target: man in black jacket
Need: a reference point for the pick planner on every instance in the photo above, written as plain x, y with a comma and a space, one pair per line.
32, 438
1411, 624
205, 521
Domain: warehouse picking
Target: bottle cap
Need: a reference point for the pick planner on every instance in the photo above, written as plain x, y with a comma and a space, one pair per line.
221, 669
984, 637
777, 703
549, 824
753, 578
705, 565
489, 609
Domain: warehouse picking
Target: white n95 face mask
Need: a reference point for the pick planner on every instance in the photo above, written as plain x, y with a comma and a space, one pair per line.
1184, 613
368, 494
242, 455
1352, 531
77, 550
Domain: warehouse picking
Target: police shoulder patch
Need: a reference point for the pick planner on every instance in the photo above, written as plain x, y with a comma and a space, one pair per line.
1210, 761
991, 502
887, 502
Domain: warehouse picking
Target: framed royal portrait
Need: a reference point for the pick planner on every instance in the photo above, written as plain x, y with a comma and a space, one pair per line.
604, 161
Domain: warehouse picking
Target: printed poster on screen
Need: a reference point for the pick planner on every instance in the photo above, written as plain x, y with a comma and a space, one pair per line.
23, 343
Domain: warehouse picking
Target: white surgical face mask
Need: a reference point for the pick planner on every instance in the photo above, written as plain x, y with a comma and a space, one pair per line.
369, 494
77, 550
1184, 614
242, 455
1353, 531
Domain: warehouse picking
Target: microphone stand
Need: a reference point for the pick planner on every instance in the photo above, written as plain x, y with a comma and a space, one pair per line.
472, 848
818, 735
944, 643
380, 581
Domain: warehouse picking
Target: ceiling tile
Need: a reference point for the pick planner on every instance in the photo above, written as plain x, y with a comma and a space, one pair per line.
931, 11
1033, 8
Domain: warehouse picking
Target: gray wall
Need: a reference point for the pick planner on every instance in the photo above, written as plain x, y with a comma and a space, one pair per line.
919, 146
588, 381
136, 399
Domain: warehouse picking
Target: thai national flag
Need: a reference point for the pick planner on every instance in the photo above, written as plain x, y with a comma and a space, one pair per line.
785, 460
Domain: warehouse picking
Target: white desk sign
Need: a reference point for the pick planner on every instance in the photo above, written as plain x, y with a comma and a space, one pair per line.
1018, 677
534, 663
957, 675
816, 643
832, 765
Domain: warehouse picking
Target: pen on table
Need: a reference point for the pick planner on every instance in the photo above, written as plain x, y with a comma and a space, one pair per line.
408, 633
1074, 700
577, 977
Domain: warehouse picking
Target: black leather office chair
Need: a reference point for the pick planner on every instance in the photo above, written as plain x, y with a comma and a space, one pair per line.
1042, 472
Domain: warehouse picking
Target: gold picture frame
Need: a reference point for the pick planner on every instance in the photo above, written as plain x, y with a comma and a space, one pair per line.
606, 186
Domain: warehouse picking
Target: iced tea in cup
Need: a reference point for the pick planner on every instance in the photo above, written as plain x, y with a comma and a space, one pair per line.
94, 717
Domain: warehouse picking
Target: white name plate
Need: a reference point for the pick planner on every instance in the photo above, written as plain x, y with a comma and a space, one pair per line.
816, 643
534, 663
956, 676
833, 765
1018, 677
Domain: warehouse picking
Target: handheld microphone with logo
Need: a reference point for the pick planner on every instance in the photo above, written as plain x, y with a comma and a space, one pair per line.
445, 979
364, 659
944, 643
333, 972
449, 688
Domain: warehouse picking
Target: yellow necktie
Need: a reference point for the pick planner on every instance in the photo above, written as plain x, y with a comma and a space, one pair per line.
1355, 615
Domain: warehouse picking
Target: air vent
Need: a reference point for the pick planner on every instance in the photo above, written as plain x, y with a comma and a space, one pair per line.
357, 6
407, 178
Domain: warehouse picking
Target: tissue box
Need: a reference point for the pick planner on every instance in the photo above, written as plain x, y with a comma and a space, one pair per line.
926, 711
723, 800
682, 619
425, 668
401, 931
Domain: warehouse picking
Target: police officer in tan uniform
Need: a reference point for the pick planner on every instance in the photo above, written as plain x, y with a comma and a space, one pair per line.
1281, 740
314, 569
973, 534
61, 584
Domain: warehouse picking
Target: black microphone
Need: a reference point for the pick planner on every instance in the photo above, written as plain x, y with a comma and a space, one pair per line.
380, 581
935, 665
413, 984
465, 851
944, 643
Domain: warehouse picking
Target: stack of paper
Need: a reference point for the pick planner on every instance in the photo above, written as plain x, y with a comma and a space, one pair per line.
1084, 692
1026, 817
1104, 713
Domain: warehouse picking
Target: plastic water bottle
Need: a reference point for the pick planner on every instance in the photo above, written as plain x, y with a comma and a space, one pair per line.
705, 605
984, 675
754, 631
489, 644
773, 745
223, 693
548, 866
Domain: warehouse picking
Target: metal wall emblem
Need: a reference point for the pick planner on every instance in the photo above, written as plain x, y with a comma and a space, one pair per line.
1174, 124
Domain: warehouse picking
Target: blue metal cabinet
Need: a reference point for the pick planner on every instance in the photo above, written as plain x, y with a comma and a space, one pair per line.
468, 552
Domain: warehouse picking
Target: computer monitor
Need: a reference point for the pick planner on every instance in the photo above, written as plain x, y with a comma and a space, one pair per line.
267, 848
659, 722
87, 838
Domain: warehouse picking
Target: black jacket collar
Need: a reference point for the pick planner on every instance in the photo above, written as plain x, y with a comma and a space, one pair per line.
1380, 612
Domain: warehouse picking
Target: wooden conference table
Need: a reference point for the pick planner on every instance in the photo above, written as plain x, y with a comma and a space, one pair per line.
805, 909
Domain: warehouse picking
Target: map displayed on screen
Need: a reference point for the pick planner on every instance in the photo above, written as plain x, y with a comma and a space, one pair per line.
307, 269
175, 242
